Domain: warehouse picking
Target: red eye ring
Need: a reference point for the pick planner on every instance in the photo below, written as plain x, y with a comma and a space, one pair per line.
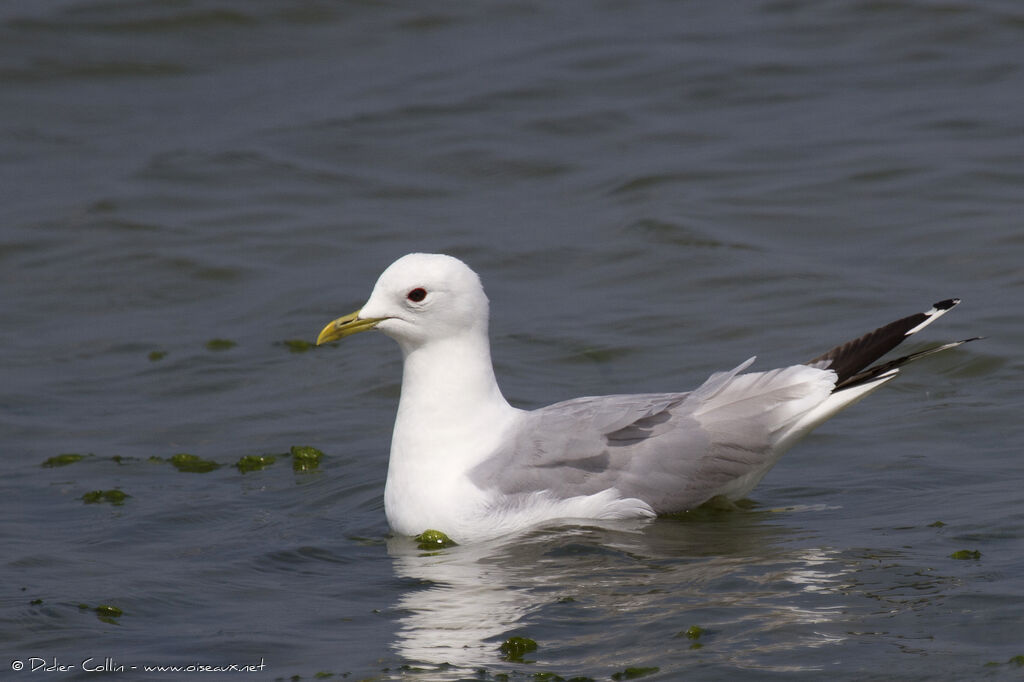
417, 294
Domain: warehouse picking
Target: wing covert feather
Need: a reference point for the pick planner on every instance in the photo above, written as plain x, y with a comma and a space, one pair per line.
671, 450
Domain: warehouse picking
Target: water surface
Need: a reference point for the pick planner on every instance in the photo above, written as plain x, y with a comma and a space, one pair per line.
651, 191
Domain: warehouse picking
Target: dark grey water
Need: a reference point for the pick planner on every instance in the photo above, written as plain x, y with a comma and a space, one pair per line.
651, 191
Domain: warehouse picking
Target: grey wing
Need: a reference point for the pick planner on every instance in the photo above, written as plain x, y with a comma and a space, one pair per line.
672, 450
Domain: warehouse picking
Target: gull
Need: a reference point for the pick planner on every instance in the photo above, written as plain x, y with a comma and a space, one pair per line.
465, 462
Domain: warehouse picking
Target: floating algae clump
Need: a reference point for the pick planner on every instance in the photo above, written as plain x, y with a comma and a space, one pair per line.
104, 612
254, 462
298, 345
63, 460
157, 355
434, 539
108, 613
694, 632
193, 464
514, 648
305, 458
220, 344
115, 497
966, 554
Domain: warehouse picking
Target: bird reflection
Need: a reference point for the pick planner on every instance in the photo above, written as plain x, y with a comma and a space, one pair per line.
585, 586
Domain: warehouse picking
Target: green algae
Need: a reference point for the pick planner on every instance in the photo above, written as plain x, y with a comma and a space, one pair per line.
108, 613
514, 648
633, 673
966, 555
157, 355
254, 462
62, 460
105, 612
115, 497
193, 464
434, 539
936, 524
305, 458
298, 345
220, 344
692, 632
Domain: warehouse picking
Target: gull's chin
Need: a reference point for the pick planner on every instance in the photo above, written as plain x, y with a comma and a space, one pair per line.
393, 327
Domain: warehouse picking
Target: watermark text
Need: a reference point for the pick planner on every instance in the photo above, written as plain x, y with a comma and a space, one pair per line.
52, 664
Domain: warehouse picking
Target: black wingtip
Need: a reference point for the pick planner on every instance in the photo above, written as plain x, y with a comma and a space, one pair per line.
872, 373
850, 359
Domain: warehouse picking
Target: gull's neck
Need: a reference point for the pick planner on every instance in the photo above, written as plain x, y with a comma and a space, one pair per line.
451, 416
448, 386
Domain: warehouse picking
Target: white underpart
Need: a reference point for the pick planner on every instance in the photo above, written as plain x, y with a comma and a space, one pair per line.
450, 417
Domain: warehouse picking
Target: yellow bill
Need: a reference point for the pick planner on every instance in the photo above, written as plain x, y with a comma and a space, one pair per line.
346, 326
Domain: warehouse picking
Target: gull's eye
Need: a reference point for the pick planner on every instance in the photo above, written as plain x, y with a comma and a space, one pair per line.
417, 294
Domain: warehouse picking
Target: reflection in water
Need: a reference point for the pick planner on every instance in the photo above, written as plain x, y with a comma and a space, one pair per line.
467, 602
578, 589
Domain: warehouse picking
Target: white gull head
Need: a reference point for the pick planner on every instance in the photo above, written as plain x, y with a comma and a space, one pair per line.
427, 297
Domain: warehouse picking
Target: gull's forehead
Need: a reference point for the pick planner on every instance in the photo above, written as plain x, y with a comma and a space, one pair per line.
421, 269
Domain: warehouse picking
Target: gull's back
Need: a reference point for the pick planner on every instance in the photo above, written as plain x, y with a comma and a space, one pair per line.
673, 451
